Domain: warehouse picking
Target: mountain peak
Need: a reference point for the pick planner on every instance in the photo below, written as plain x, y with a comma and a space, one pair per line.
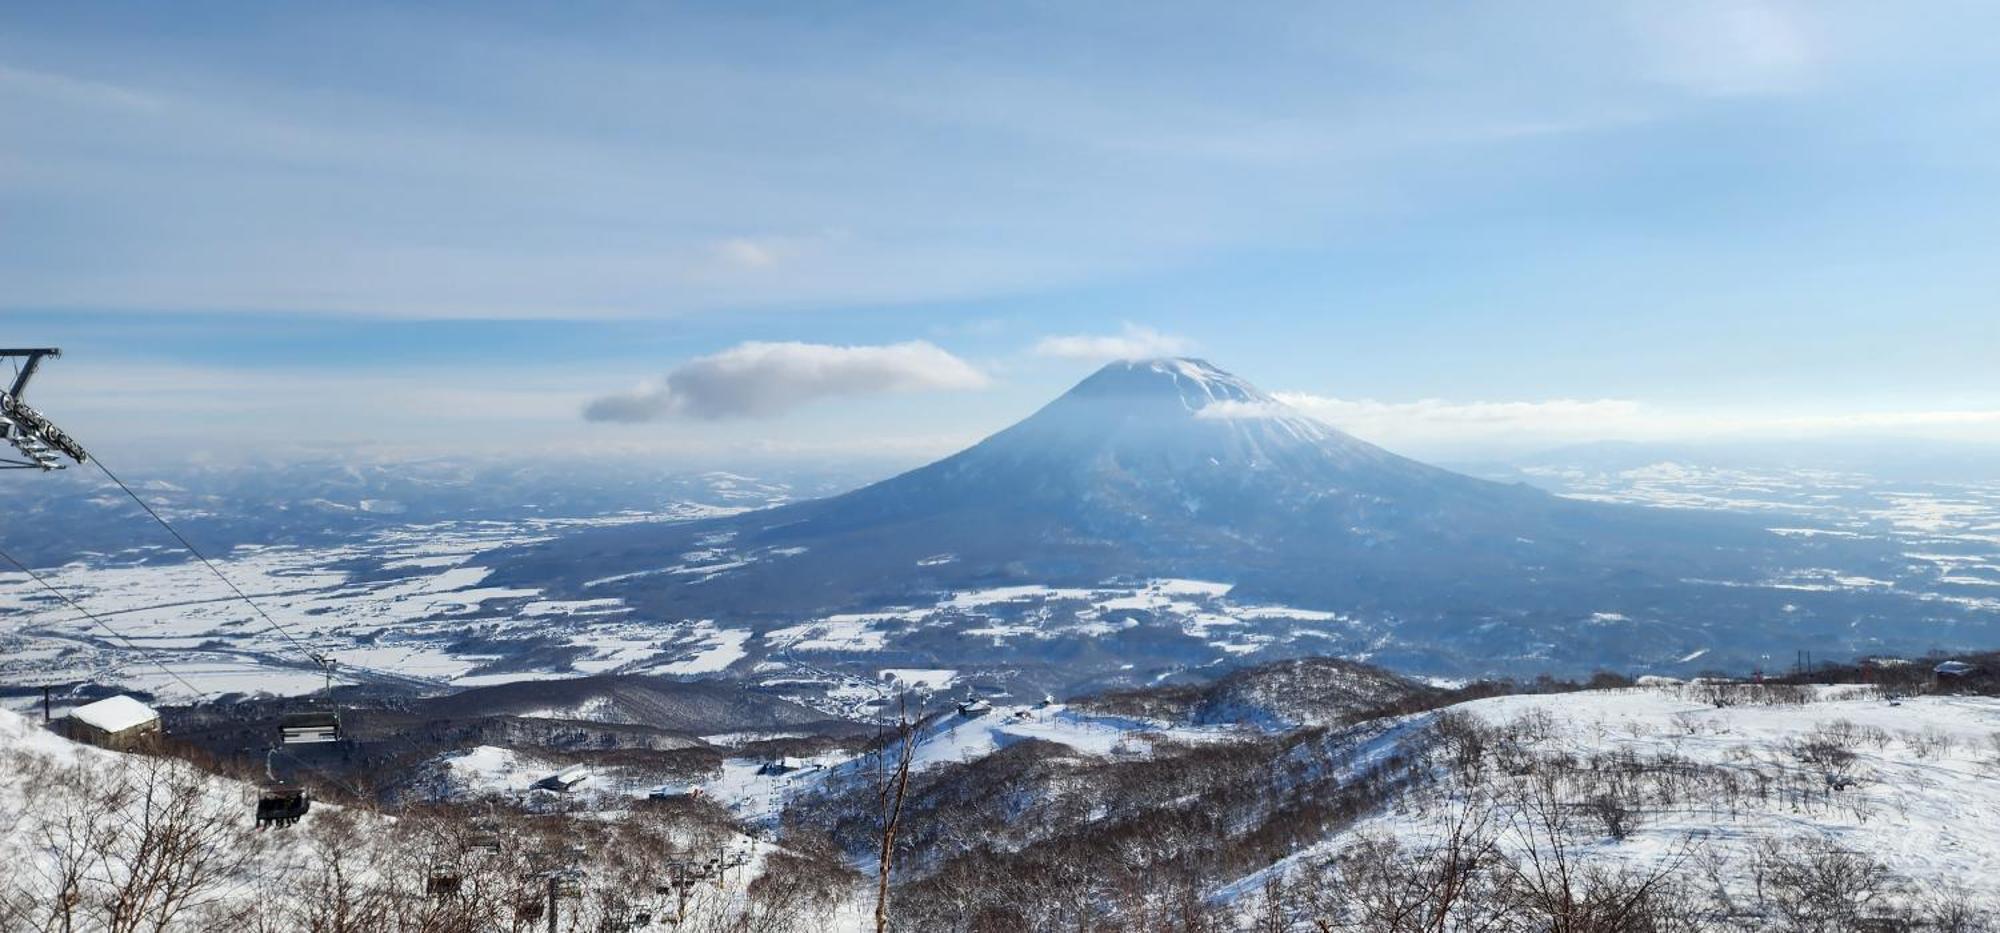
1195, 383
1174, 468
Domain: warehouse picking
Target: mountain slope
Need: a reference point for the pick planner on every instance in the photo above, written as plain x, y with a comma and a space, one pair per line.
693, 708
1174, 468
1281, 695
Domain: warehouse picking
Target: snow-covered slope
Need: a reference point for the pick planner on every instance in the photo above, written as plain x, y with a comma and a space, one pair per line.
756, 792
1277, 696
1913, 784
94, 828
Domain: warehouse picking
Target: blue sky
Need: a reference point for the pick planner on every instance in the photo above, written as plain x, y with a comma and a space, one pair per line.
1452, 229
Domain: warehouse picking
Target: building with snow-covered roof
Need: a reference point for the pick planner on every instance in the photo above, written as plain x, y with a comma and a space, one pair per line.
782, 765
565, 780
1954, 669
113, 722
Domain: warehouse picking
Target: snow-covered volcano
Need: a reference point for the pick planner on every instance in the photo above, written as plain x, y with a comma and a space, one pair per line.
1173, 468
1165, 436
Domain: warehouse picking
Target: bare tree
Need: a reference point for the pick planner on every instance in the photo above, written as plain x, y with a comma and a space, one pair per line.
1816, 886
341, 893
132, 843
74, 821
1548, 881
892, 785
1949, 908
1274, 908
1379, 885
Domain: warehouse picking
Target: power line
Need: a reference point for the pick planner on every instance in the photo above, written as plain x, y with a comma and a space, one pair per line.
129, 643
311, 655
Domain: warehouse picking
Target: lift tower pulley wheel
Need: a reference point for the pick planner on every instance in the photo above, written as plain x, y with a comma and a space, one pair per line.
40, 444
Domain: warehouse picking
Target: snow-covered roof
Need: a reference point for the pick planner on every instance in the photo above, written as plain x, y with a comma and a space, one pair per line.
1955, 667
115, 714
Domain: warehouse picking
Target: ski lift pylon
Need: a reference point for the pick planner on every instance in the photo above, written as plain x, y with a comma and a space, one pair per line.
29, 432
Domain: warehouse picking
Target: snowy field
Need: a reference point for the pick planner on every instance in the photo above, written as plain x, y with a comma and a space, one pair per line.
407, 605
413, 606
1949, 532
1921, 794
1005, 616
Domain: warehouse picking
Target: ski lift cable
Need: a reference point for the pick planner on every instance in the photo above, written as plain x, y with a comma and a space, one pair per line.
317, 659
121, 636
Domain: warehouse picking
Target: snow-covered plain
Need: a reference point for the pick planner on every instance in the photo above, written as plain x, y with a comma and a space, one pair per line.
1029, 612
1951, 530
412, 605
408, 604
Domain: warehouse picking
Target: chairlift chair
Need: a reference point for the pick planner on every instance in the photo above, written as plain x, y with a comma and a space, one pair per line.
313, 728
281, 804
443, 882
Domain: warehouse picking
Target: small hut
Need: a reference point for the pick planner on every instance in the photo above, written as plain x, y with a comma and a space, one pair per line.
114, 722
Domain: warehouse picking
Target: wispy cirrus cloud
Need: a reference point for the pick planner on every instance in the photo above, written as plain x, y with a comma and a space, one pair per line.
1133, 342
756, 380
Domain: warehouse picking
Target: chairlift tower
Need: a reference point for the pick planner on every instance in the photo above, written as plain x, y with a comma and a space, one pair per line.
39, 444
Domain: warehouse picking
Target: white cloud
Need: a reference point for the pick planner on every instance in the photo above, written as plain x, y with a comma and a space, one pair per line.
1437, 425
1134, 342
1462, 418
763, 379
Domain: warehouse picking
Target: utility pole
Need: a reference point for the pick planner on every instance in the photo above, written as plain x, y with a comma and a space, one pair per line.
46, 690
552, 902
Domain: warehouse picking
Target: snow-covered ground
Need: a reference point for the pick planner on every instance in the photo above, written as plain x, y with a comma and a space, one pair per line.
1031, 612
952, 738
413, 605
1925, 797
59, 796
399, 604
1952, 530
